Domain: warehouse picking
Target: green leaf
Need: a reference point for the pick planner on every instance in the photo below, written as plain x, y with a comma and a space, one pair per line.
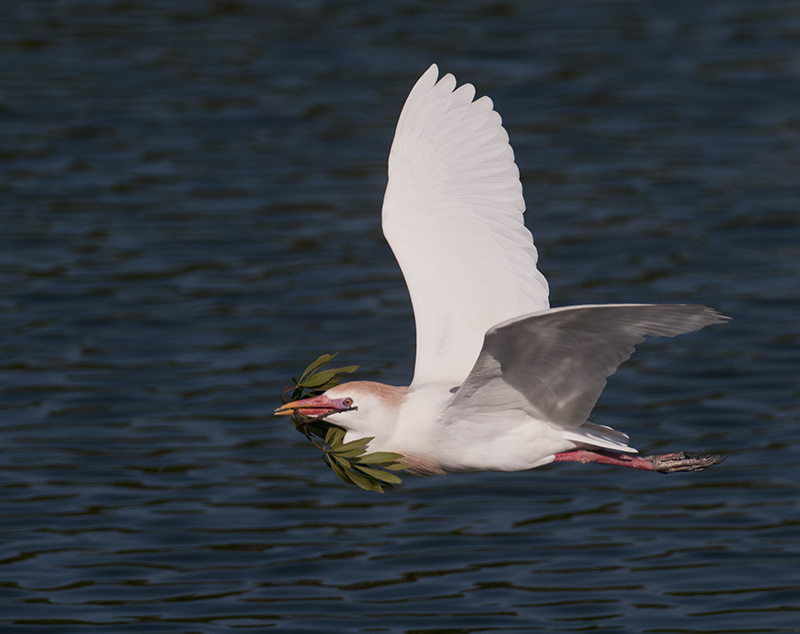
323, 360
355, 444
342, 462
365, 483
381, 457
341, 473
319, 428
318, 379
323, 377
334, 436
396, 466
378, 474
351, 453
349, 476
315, 381
348, 369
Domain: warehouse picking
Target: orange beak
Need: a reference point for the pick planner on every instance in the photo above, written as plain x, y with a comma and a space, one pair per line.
316, 406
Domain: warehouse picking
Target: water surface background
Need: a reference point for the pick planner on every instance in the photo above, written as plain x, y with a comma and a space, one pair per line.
190, 202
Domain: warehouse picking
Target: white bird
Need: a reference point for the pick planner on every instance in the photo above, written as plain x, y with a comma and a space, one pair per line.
502, 381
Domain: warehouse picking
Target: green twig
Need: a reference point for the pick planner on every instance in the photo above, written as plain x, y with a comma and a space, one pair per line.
349, 461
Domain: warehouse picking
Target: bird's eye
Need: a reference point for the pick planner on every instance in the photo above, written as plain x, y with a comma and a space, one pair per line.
347, 402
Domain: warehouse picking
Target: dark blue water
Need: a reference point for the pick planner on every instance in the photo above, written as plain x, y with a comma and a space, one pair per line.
190, 213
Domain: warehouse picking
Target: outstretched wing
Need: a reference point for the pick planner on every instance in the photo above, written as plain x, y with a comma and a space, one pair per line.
452, 214
553, 365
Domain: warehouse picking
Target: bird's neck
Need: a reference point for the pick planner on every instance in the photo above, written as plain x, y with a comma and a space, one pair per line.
416, 434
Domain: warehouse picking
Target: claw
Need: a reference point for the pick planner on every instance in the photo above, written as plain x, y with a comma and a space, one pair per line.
683, 461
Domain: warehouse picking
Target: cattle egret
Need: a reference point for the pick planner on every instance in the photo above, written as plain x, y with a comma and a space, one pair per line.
502, 381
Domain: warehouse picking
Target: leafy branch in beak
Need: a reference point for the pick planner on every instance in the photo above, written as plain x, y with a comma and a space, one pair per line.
349, 461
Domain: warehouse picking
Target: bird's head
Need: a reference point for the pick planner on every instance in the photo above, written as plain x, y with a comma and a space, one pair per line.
363, 408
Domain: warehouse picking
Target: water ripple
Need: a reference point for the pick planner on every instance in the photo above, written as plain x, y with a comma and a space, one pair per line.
190, 197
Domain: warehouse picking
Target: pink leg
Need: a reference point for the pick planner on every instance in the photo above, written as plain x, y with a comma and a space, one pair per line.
667, 463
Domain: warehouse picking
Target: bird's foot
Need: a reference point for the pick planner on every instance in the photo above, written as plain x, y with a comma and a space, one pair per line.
683, 461
666, 463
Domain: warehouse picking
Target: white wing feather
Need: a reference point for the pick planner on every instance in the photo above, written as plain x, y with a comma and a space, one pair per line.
452, 214
553, 365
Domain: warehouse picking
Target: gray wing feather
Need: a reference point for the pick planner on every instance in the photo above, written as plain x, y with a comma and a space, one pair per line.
554, 364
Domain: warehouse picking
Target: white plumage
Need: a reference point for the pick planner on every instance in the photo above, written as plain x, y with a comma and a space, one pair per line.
453, 217
501, 381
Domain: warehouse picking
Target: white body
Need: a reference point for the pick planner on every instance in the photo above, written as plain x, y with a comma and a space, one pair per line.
482, 442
